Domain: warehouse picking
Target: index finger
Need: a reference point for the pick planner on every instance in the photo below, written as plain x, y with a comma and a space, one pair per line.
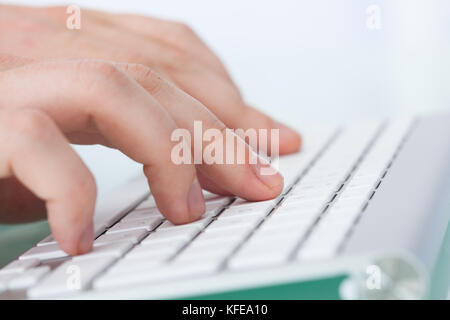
240, 173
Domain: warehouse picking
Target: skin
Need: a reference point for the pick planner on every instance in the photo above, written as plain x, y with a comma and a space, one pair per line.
125, 82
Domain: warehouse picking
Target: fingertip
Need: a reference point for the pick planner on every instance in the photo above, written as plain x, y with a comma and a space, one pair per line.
290, 140
75, 245
196, 201
272, 180
86, 240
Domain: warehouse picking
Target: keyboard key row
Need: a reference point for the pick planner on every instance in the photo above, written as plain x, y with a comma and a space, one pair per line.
275, 240
338, 220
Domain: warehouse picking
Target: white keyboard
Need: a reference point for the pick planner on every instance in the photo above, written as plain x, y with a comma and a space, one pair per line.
327, 187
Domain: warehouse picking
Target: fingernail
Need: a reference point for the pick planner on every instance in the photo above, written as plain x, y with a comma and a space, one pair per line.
196, 202
267, 174
86, 239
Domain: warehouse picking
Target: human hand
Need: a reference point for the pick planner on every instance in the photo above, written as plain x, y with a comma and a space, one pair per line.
171, 49
45, 105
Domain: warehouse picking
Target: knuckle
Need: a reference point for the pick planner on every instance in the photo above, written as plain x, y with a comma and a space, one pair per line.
101, 68
100, 74
101, 78
138, 68
146, 76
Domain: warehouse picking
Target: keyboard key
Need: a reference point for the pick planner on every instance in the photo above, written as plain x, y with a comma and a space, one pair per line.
154, 251
211, 244
47, 240
136, 265
51, 251
146, 255
268, 241
200, 224
147, 204
249, 216
139, 214
216, 253
263, 251
246, 210
114, 249
284, 226
292, 213
133, 236
230, 222
70, 277
214, 206
302, 206
147, 224
171, 234
18, 266
211, 235
5, 279
341, 215
244, 261
168, 272
244, 204
29, 278
350, 203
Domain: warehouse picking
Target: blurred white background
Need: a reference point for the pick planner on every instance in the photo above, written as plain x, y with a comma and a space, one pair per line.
308, 61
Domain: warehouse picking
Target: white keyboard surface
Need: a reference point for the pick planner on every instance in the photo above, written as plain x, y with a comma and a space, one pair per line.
327, 187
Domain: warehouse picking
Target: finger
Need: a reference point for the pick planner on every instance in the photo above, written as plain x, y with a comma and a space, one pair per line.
171, 34
104, 36
92, 41
156, 39
242, 179
210, 186
36, 153
88, 95
220, 95
182, 37
225, 102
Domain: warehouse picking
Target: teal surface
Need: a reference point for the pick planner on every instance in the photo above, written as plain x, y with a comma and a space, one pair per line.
323, 289
15, 239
